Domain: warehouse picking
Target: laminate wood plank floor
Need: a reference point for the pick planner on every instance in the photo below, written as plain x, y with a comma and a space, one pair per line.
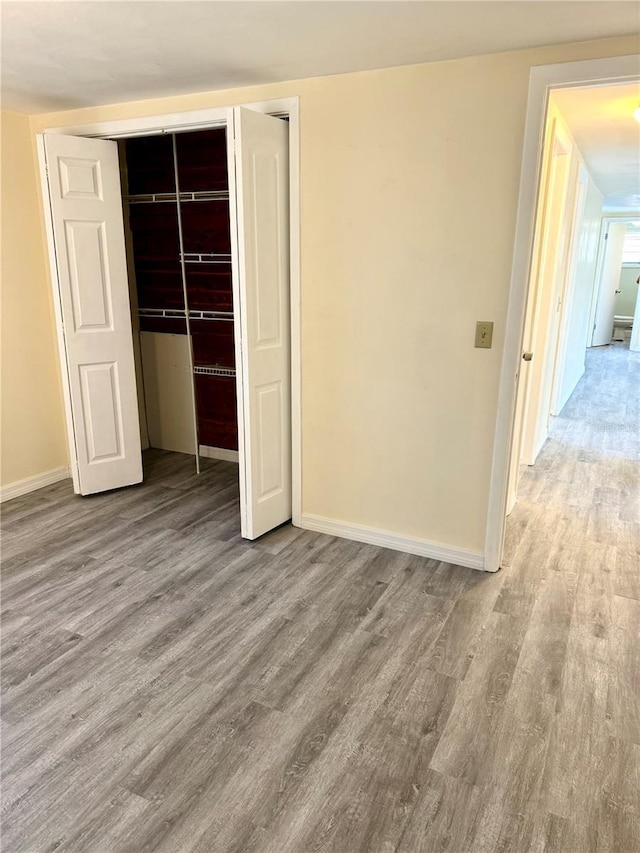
168, 686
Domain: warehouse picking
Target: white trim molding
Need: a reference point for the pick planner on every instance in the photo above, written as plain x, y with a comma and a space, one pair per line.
542, 80
218, 453
189, 120
32, 484
385, 539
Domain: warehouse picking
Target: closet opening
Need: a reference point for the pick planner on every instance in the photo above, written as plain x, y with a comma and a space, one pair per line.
178, 237
172, 257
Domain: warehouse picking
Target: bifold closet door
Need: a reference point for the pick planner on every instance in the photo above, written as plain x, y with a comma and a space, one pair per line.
259, 195
88, 234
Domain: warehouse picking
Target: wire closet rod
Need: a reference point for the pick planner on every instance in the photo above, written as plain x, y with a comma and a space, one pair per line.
180, 313
206, 258
214, 370
159, 198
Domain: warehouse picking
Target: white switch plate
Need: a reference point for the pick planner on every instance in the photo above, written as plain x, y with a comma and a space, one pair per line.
484, 334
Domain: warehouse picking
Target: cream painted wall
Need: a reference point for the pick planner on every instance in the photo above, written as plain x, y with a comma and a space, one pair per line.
168, 391
398, 407
32, 421
626, 299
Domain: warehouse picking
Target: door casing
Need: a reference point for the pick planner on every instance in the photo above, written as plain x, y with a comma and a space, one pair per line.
180, 122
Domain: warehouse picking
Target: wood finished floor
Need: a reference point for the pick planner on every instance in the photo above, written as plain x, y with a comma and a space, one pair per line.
168, 686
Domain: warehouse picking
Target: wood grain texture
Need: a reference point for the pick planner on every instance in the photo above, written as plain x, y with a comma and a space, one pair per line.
171, 687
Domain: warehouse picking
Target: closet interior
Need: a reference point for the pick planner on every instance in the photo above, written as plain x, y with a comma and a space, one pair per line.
176, 205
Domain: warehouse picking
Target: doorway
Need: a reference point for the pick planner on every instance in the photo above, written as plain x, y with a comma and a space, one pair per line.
265, 417
545, 291
177, 231
615, 309
543, 81
571, 267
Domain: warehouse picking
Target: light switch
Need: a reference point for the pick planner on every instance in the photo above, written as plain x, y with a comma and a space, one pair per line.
484, 334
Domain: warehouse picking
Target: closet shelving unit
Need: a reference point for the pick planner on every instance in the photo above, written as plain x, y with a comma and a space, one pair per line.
177, 198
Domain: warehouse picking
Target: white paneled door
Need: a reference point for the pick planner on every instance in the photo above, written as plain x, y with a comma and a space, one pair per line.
88, 235
259, 190
609, 283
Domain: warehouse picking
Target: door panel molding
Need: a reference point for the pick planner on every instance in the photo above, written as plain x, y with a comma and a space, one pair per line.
87, 231
258, 191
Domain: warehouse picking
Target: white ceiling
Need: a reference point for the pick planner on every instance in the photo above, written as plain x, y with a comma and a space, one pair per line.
59, 54
602, 123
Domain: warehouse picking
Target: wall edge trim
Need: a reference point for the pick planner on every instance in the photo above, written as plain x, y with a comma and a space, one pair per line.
387, 539
32, 484
218, 453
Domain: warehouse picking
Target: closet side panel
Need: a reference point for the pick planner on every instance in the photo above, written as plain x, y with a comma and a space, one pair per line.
168, 391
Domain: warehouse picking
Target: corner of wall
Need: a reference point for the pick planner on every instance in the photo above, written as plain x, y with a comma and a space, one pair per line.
33, 427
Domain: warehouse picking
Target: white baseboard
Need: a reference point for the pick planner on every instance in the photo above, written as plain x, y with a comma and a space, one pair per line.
31, 484
218, 453
384, 539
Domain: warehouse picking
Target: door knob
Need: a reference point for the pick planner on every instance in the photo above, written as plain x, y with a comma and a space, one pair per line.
618, 291
527, 356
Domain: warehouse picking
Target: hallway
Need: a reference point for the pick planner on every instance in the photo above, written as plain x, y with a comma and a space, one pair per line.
586, 481
573, 545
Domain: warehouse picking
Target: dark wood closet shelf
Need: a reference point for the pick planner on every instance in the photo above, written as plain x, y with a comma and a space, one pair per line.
157, 259
202, 159
217, 410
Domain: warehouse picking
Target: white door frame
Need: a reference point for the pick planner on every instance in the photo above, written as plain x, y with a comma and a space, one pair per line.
607, 220
200, 120
542, 80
